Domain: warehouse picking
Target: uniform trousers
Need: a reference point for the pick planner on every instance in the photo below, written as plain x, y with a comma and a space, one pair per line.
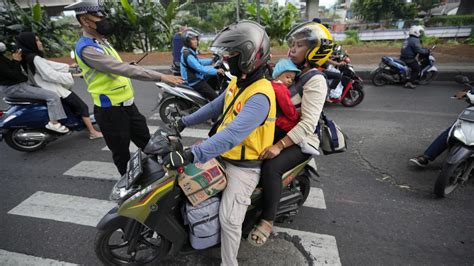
120, 125
241, 182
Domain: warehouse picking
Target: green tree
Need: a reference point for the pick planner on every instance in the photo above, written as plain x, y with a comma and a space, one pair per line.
147, 25
425, 5
58, 37
276, 19
377, 10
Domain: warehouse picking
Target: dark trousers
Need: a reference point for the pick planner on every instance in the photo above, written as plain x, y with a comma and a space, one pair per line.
272, 171
205, 90
415, 68
439, 145
120, 125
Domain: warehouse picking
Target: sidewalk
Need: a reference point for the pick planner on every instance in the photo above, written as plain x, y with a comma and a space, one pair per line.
446, 72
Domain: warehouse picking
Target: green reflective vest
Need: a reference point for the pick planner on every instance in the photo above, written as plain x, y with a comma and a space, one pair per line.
106, 89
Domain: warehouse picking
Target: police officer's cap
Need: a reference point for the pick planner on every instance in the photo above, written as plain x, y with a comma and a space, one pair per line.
87, 7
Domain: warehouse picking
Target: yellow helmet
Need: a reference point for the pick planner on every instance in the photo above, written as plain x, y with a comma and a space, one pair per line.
319, 40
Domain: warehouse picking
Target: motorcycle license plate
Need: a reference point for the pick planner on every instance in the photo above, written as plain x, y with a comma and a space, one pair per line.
134, 168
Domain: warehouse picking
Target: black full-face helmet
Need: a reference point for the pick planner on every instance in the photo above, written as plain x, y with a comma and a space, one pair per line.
189, 34
246, 38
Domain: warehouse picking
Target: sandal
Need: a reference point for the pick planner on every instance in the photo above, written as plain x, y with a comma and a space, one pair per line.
98, 136
262, 232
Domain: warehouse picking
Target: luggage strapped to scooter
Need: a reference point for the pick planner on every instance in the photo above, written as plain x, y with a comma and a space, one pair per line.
203, 223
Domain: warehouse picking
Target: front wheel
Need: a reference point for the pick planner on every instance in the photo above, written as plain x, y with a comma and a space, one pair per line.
171, 105
428, 77
450, 177
354, 96
25, 140
378, 79
112, 249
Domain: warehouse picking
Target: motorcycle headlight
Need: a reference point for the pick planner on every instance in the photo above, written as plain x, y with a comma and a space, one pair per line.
458, 133
119, 192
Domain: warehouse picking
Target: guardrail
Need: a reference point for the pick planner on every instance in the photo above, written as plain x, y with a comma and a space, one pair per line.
379, 35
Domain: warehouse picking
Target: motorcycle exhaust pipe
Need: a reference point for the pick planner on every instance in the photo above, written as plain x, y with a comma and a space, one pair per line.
31, 136
389, 77
289, 197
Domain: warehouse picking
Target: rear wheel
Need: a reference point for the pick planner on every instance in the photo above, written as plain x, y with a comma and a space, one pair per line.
304, 185
354, 96
378, 79
112, 249
171, 105
428, 77
14, 139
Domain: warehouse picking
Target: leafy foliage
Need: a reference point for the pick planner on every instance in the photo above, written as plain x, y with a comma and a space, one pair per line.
376, 10
58, 37
452, 20
276, 19
425, 4
209, 17
146, 25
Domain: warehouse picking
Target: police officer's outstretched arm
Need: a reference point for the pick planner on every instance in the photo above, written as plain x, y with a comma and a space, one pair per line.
102, 62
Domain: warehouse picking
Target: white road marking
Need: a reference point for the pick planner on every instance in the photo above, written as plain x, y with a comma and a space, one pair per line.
155, 116
63, 208
315, 199
322, 249
93, 169
13, 258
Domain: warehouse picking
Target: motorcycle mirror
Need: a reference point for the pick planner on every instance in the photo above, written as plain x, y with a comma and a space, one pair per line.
461, 79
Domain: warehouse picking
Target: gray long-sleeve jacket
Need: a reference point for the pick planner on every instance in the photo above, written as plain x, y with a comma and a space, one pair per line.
411, 47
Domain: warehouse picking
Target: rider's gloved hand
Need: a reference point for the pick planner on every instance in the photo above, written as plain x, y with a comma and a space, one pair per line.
179, 124
177, 159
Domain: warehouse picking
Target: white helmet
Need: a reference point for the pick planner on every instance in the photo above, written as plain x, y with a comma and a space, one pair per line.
416, 30
3, 47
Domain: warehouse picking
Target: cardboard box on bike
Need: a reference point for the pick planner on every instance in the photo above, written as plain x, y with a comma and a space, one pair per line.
202, 181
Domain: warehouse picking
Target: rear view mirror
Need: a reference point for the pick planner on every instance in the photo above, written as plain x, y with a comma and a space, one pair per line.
461, 79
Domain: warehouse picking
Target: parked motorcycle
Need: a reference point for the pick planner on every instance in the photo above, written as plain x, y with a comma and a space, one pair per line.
458, 165
394, 71
148, 224
23, 124
185, 98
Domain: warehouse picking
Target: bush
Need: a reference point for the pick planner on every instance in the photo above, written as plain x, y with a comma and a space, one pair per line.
451, 20
352, 37
430, 40
470, 40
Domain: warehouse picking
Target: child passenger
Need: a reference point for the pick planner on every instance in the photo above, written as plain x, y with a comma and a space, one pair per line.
283, 76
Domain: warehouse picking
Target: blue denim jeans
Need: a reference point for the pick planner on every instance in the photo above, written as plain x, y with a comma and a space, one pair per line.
439, 145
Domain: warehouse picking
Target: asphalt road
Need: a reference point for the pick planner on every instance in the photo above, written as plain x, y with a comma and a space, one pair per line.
378, 208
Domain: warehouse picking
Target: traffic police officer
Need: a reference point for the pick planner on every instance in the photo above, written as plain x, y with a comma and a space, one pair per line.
108, 82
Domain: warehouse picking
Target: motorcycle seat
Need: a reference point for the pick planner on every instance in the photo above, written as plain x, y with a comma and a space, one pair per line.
22, 100
399, 61
185, 86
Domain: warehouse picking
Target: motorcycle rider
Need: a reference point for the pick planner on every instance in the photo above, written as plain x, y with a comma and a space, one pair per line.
108, 81
310, 44
176, 45
410, 49
246, 126
14, 84
193, 69
438, 146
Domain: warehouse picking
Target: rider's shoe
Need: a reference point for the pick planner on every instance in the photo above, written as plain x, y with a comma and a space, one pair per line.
409, 85
420, 161
57, 128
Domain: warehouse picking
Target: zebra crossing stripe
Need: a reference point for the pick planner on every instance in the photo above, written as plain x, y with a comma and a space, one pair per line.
322, 249
63, 208
187, 133
315, 199
13, 258
93, 169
